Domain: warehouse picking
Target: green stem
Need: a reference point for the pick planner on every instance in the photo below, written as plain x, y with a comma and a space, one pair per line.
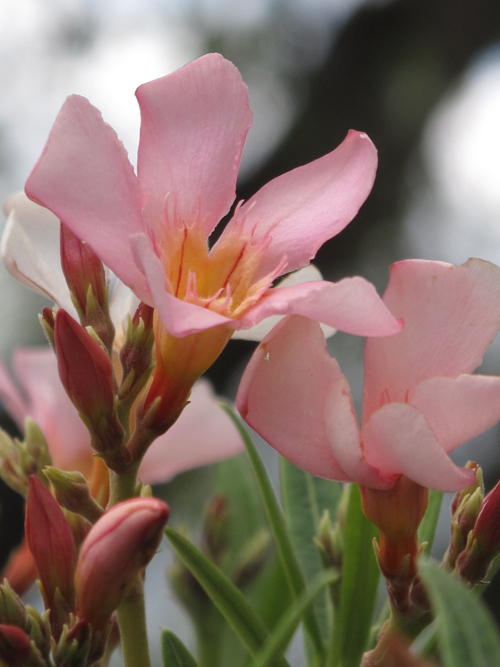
122, 485
132, 623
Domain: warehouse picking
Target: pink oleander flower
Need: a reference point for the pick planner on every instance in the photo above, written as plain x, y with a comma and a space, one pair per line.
421, 400
151, 230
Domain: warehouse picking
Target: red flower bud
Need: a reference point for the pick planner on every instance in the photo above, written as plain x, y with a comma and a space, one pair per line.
117, 548
51, 542
86, 373
484, 542
82, 268
84, 368
15, 648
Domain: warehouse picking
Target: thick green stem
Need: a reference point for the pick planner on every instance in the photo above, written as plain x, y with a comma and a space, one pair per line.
122, 485
132, 623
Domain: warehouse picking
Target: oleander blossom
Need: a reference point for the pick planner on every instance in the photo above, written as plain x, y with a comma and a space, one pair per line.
151, 230
421, 400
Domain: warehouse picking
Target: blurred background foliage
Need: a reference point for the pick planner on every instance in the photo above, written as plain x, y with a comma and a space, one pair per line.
421, 77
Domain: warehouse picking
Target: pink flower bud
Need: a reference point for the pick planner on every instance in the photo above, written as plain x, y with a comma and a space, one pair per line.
117, 548
53, 547
84, 368
87, 376
82, 268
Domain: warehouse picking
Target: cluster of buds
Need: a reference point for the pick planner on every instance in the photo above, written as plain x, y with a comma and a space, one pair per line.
475, 531
102, 378
21, 459
81, 587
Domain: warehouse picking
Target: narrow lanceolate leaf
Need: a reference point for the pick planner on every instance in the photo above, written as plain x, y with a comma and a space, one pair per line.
427, 528
226, 597
288, 623
173, 651
305, 498
282, 536
358, 590
467, 635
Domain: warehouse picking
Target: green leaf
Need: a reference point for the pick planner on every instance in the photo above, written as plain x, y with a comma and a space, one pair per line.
278, 526
305, 498
467, 635
428, 525
227, 598
173, 651
290, 620
235, 481
358, 589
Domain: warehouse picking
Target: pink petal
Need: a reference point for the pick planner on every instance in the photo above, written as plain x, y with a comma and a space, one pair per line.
15, 404
351, 305
343, 434
458, 409
49, 406
194, 124
30, 249
451, 314
309, 205
85, 178
398, 440
282, 394
203, 434
306, 275
180, 318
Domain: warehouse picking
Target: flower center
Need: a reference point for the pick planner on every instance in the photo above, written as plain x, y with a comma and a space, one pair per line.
222, 278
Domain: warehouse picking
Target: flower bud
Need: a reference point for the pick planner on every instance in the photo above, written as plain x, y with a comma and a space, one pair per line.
38, 628
460, 496
84, 273
215, 528
47, 322
462, 524
52, 544
253, 558
483, 542
12, 610
20, 460
329, 541
16, 649
136, 354
86, 373
72, 493
117, 548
